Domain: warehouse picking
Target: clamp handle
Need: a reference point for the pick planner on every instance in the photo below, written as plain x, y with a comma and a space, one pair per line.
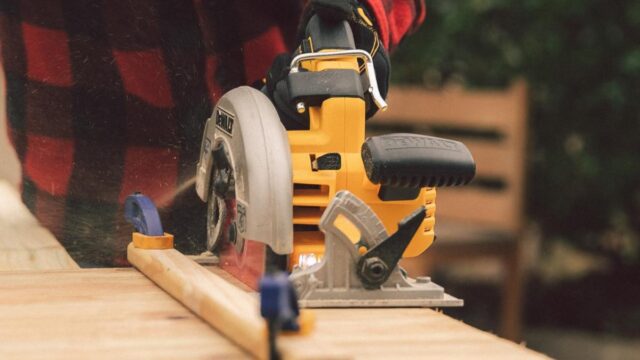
140, 211
279, 306
278, 301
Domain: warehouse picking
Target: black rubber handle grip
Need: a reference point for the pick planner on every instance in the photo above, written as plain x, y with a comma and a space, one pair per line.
416, 161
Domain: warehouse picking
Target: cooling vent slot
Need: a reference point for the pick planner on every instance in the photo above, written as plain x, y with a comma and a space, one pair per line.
313, 195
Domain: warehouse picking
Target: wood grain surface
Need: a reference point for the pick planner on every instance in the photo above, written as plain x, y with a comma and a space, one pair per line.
230, 310
120, 314
100, 314
24, 244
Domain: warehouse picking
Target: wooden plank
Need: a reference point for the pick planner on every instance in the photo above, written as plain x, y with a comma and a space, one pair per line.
100, 314
410, 334
418, 333
230, 310
24, 244
120, 314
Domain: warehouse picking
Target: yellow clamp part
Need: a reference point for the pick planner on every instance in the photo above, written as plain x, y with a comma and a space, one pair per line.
142, 241
307, 322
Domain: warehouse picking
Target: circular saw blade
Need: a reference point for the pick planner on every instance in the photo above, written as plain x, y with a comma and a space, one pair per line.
218, 221
222, 211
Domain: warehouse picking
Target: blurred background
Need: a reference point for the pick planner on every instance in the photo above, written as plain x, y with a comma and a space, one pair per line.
574, 66
544, 245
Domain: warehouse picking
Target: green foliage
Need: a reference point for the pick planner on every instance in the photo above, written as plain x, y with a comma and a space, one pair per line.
581, 59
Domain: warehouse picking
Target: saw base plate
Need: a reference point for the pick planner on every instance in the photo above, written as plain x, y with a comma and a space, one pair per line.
432, 295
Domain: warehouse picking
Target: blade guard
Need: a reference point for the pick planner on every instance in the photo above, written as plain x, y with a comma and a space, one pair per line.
246, 121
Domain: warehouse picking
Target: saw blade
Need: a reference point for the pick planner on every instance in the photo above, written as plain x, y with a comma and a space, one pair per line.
226, 216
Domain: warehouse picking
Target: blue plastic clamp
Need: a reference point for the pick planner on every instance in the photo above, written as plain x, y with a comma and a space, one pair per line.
279, 302
140, 211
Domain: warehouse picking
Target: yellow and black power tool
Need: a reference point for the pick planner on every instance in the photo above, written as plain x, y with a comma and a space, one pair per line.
267, 188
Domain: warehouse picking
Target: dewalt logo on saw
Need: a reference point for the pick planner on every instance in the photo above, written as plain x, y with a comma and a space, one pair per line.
224, 121
405, 141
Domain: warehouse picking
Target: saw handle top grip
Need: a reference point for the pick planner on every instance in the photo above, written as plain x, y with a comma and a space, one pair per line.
417, 161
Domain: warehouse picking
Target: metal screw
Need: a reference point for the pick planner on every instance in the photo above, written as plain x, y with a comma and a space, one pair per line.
301, 107
374, 270
423, 279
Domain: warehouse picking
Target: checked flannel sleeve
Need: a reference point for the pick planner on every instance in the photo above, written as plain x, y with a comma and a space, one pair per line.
105, 98
396, 18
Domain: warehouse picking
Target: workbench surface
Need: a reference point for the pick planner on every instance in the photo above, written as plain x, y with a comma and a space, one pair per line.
24, 244
119, 313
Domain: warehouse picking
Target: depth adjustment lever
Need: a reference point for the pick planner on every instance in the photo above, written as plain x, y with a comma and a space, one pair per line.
375, 266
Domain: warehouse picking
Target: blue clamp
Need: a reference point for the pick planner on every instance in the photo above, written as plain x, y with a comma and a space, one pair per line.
279, 302
140, 211
279, 306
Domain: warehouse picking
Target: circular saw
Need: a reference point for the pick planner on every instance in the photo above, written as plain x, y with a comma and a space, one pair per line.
267, 188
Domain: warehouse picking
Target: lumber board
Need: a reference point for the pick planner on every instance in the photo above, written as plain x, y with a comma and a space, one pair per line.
100, 314
231, 311
340, 333
385, 333
24, 244
120, 314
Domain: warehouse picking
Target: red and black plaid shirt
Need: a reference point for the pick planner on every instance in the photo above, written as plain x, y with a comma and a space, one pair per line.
109, 97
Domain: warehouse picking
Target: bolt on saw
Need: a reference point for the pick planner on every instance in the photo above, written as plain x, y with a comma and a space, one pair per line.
317, 199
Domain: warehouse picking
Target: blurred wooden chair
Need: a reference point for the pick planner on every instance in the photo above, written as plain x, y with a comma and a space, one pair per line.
485, 218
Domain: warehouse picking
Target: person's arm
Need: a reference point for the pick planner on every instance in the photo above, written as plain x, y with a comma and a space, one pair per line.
396, 18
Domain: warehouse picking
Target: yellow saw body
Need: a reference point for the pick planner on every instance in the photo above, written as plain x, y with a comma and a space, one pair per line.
338, 126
